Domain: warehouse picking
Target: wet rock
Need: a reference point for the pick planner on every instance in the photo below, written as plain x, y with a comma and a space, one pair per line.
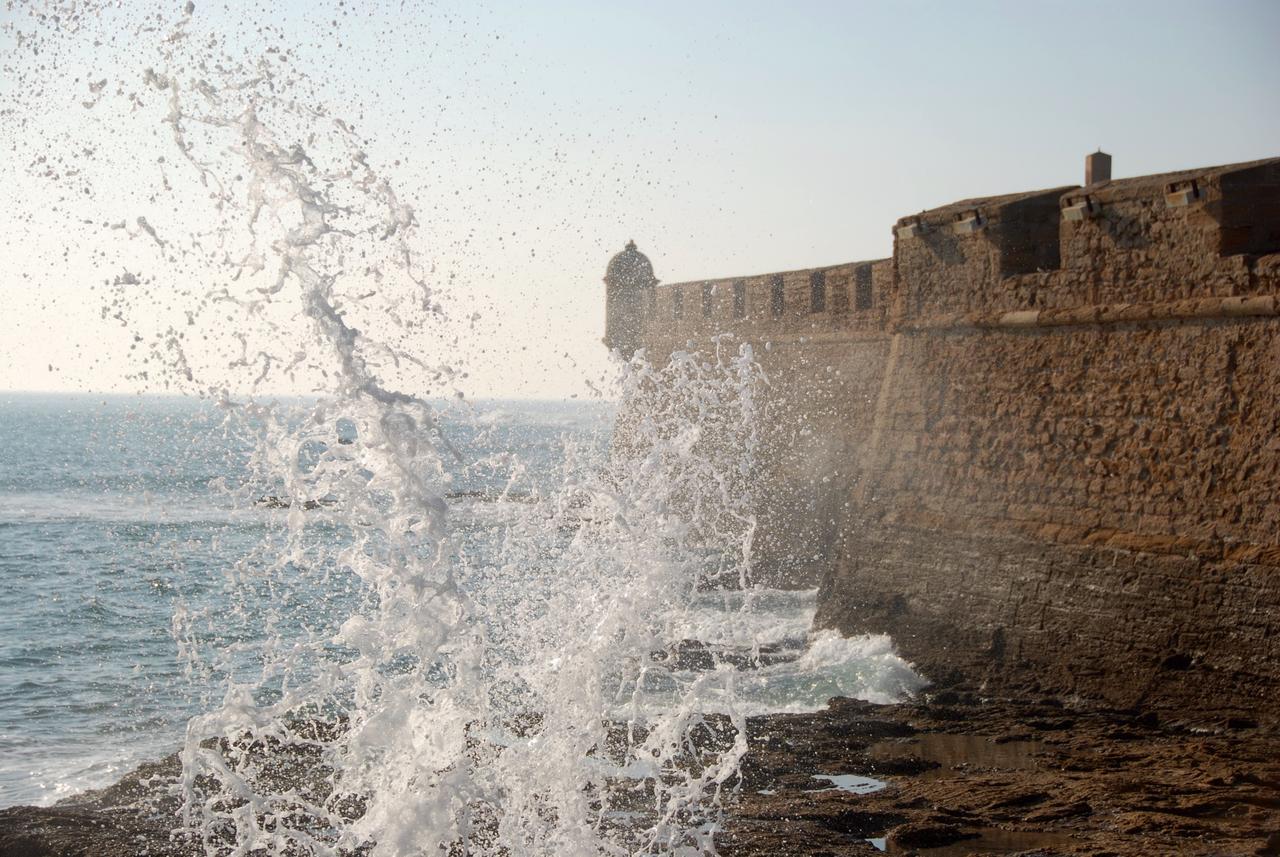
862, 824
695, 655
271, 501
28, 831
1060, 724
1100, 782
903, 766
1076, 808
925, 835
1019, 799
1107, 784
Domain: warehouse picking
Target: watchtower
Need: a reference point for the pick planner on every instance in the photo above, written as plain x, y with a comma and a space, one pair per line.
629, 283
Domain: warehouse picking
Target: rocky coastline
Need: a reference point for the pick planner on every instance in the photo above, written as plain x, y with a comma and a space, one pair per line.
953, 772
966, 774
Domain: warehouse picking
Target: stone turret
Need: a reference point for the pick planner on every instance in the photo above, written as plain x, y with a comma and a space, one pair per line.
629, 283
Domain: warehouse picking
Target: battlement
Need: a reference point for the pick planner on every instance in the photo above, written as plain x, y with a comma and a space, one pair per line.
1210, 233
844, 298
1189, 234
955, 258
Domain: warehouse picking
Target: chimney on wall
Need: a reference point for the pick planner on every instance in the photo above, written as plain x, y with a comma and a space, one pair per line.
1097, 167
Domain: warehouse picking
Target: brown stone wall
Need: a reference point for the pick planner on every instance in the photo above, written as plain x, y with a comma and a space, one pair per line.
1132, 628
1131, 245
823, 370
1168, 429
678, 317
1049, 450
1136, 247
1099, 503
956, 258
819, 406
1073, 476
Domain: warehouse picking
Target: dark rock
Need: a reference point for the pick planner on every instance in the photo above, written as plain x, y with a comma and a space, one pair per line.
1061, 724
862, 824
271, 501
1070, 810
1019, 799
695, 655
925, 835
28, 831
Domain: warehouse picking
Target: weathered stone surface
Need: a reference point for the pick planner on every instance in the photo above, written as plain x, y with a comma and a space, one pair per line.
131, 818
945, 268
1088, 503
824, 371
1049, 450
1097, 782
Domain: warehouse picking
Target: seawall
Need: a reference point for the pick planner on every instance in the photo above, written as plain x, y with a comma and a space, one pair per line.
1041, 444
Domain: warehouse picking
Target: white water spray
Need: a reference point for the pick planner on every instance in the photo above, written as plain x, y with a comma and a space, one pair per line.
430, 720
532, 704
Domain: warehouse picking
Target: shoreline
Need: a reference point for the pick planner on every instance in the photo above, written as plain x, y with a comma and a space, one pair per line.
949, 773
1030, 774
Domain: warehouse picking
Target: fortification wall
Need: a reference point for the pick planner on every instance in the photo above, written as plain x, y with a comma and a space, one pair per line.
1095, 505
1048, 452
820, 335
1073, 479
956, 259
832, 302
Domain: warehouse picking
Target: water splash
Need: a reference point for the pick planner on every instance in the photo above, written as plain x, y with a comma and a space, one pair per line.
585, 599
503, 707
429, 702
428, 721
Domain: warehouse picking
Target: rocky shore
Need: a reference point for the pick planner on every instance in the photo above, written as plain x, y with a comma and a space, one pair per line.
957, 774
952, 773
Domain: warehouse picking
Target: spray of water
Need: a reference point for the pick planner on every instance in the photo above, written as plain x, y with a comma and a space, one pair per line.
483, 710
585, 601
504, 707
429, 701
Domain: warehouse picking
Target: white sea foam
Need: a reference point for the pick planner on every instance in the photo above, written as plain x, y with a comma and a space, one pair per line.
828, 666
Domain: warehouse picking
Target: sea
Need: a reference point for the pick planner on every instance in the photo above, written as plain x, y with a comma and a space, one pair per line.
121, 517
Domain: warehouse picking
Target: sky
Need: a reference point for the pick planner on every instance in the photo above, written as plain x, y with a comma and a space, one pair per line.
534, 139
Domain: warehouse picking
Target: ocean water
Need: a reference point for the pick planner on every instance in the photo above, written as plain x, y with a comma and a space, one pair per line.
121, 515
118, 513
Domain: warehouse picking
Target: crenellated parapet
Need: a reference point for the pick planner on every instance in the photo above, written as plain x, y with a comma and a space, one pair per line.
957, 258
1195, 234
846, 299
1190, 234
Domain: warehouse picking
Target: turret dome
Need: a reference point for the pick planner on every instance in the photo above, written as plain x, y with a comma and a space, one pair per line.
630, 268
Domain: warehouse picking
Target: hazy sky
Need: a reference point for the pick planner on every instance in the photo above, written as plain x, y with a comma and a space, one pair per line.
535, 139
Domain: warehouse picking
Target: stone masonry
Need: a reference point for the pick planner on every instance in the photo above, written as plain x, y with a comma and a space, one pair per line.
1040, 445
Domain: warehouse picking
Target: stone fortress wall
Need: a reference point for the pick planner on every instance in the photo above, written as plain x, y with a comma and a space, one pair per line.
821, 336
1041, 444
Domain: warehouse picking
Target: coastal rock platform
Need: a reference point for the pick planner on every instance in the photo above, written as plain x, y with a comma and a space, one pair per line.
956, 773
951, 773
